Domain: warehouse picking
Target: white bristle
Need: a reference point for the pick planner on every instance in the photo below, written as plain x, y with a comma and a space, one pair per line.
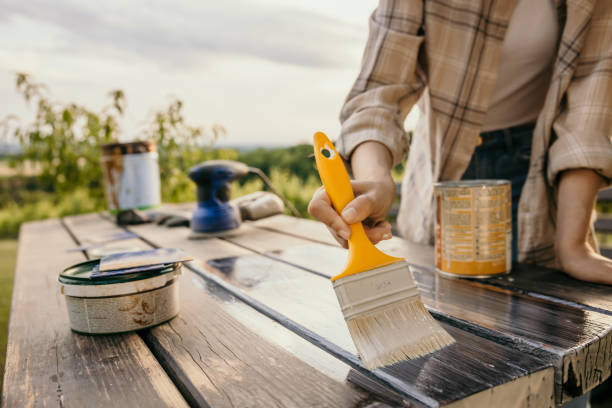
397, 332
385, 316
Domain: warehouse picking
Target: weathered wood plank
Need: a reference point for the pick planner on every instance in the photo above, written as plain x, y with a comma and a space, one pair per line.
298, 227
472, 366
49, 365
575, 340
221, 352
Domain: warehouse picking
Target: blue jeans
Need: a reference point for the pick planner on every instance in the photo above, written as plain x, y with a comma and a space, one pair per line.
504, 154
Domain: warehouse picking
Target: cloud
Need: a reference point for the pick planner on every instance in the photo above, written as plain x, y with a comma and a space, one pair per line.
185, 31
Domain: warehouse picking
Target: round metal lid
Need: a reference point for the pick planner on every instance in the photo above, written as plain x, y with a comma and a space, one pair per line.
76, 280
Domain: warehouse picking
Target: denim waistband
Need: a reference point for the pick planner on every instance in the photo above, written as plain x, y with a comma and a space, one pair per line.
511, 138
526, 129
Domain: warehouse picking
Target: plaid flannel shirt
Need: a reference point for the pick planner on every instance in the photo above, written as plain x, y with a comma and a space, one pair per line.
444, 54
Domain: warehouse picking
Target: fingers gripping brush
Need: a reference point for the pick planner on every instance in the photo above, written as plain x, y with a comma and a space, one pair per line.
376, 292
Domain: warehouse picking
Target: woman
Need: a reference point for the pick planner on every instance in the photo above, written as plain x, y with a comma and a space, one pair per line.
518, 89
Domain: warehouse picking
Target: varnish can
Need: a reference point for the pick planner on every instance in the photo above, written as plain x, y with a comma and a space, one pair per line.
121, 303
131, 176
473, 228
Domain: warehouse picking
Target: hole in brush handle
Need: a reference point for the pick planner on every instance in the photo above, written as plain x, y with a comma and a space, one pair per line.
327, 152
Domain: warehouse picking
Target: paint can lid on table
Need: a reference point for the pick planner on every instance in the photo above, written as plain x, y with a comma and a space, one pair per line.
77, 280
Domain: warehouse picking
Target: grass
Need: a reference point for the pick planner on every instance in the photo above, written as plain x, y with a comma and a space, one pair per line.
42, 205
8, 252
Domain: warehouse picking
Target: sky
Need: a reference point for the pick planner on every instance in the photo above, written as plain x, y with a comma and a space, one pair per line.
272, 72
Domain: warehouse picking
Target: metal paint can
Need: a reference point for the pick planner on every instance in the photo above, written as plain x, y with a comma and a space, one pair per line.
119, 304
473, 228
131, 176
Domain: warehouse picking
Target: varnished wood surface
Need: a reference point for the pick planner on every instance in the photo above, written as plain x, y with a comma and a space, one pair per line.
547, 284
47, 364
308, 300
449, 374
576, 339
222, 353
273, 319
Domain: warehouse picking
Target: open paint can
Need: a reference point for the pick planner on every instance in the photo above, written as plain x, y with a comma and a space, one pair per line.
473, 228
122, 303
131, 176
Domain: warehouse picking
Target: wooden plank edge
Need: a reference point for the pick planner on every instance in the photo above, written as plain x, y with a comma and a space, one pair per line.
575, 382
508, 395
188, 390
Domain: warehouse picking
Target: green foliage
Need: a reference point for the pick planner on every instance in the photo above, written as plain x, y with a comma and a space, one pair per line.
297, 160
292, 171
42, 205
290, 185
64, 139
181, 146
296, 190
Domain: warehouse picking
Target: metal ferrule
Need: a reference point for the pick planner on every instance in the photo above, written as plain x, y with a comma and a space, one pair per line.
368, 291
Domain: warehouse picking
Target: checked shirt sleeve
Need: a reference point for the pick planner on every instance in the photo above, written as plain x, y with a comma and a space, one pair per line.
390, 81
584, 126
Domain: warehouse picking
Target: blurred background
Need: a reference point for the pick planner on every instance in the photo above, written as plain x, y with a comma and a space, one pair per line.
246, 80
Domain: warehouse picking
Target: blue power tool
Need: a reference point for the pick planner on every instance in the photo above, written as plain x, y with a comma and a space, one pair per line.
215, 213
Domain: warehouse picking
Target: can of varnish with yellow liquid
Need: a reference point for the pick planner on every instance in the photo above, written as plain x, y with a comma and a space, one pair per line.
473, 228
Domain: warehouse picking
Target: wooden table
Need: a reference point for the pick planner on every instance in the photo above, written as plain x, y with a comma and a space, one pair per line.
260, 326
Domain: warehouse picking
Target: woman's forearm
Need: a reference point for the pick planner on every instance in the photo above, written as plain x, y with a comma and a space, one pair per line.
577, 194
371, 161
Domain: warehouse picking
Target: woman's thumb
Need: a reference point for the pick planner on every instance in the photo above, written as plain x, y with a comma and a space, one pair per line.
357, 210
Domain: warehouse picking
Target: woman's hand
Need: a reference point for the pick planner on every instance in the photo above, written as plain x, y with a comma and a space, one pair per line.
577, 194
374, 190
373, 200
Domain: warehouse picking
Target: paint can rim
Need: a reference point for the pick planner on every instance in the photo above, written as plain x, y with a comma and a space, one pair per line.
79, 274
472, 183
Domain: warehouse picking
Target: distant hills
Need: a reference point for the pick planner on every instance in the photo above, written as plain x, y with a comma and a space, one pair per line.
244, 148
9, 149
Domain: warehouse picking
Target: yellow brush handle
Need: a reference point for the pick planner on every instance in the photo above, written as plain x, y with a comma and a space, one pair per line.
363, 255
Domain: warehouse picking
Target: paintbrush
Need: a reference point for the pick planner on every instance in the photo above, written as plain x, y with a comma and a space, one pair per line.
376, 292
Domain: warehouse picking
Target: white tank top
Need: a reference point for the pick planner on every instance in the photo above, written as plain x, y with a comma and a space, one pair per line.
528, 52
